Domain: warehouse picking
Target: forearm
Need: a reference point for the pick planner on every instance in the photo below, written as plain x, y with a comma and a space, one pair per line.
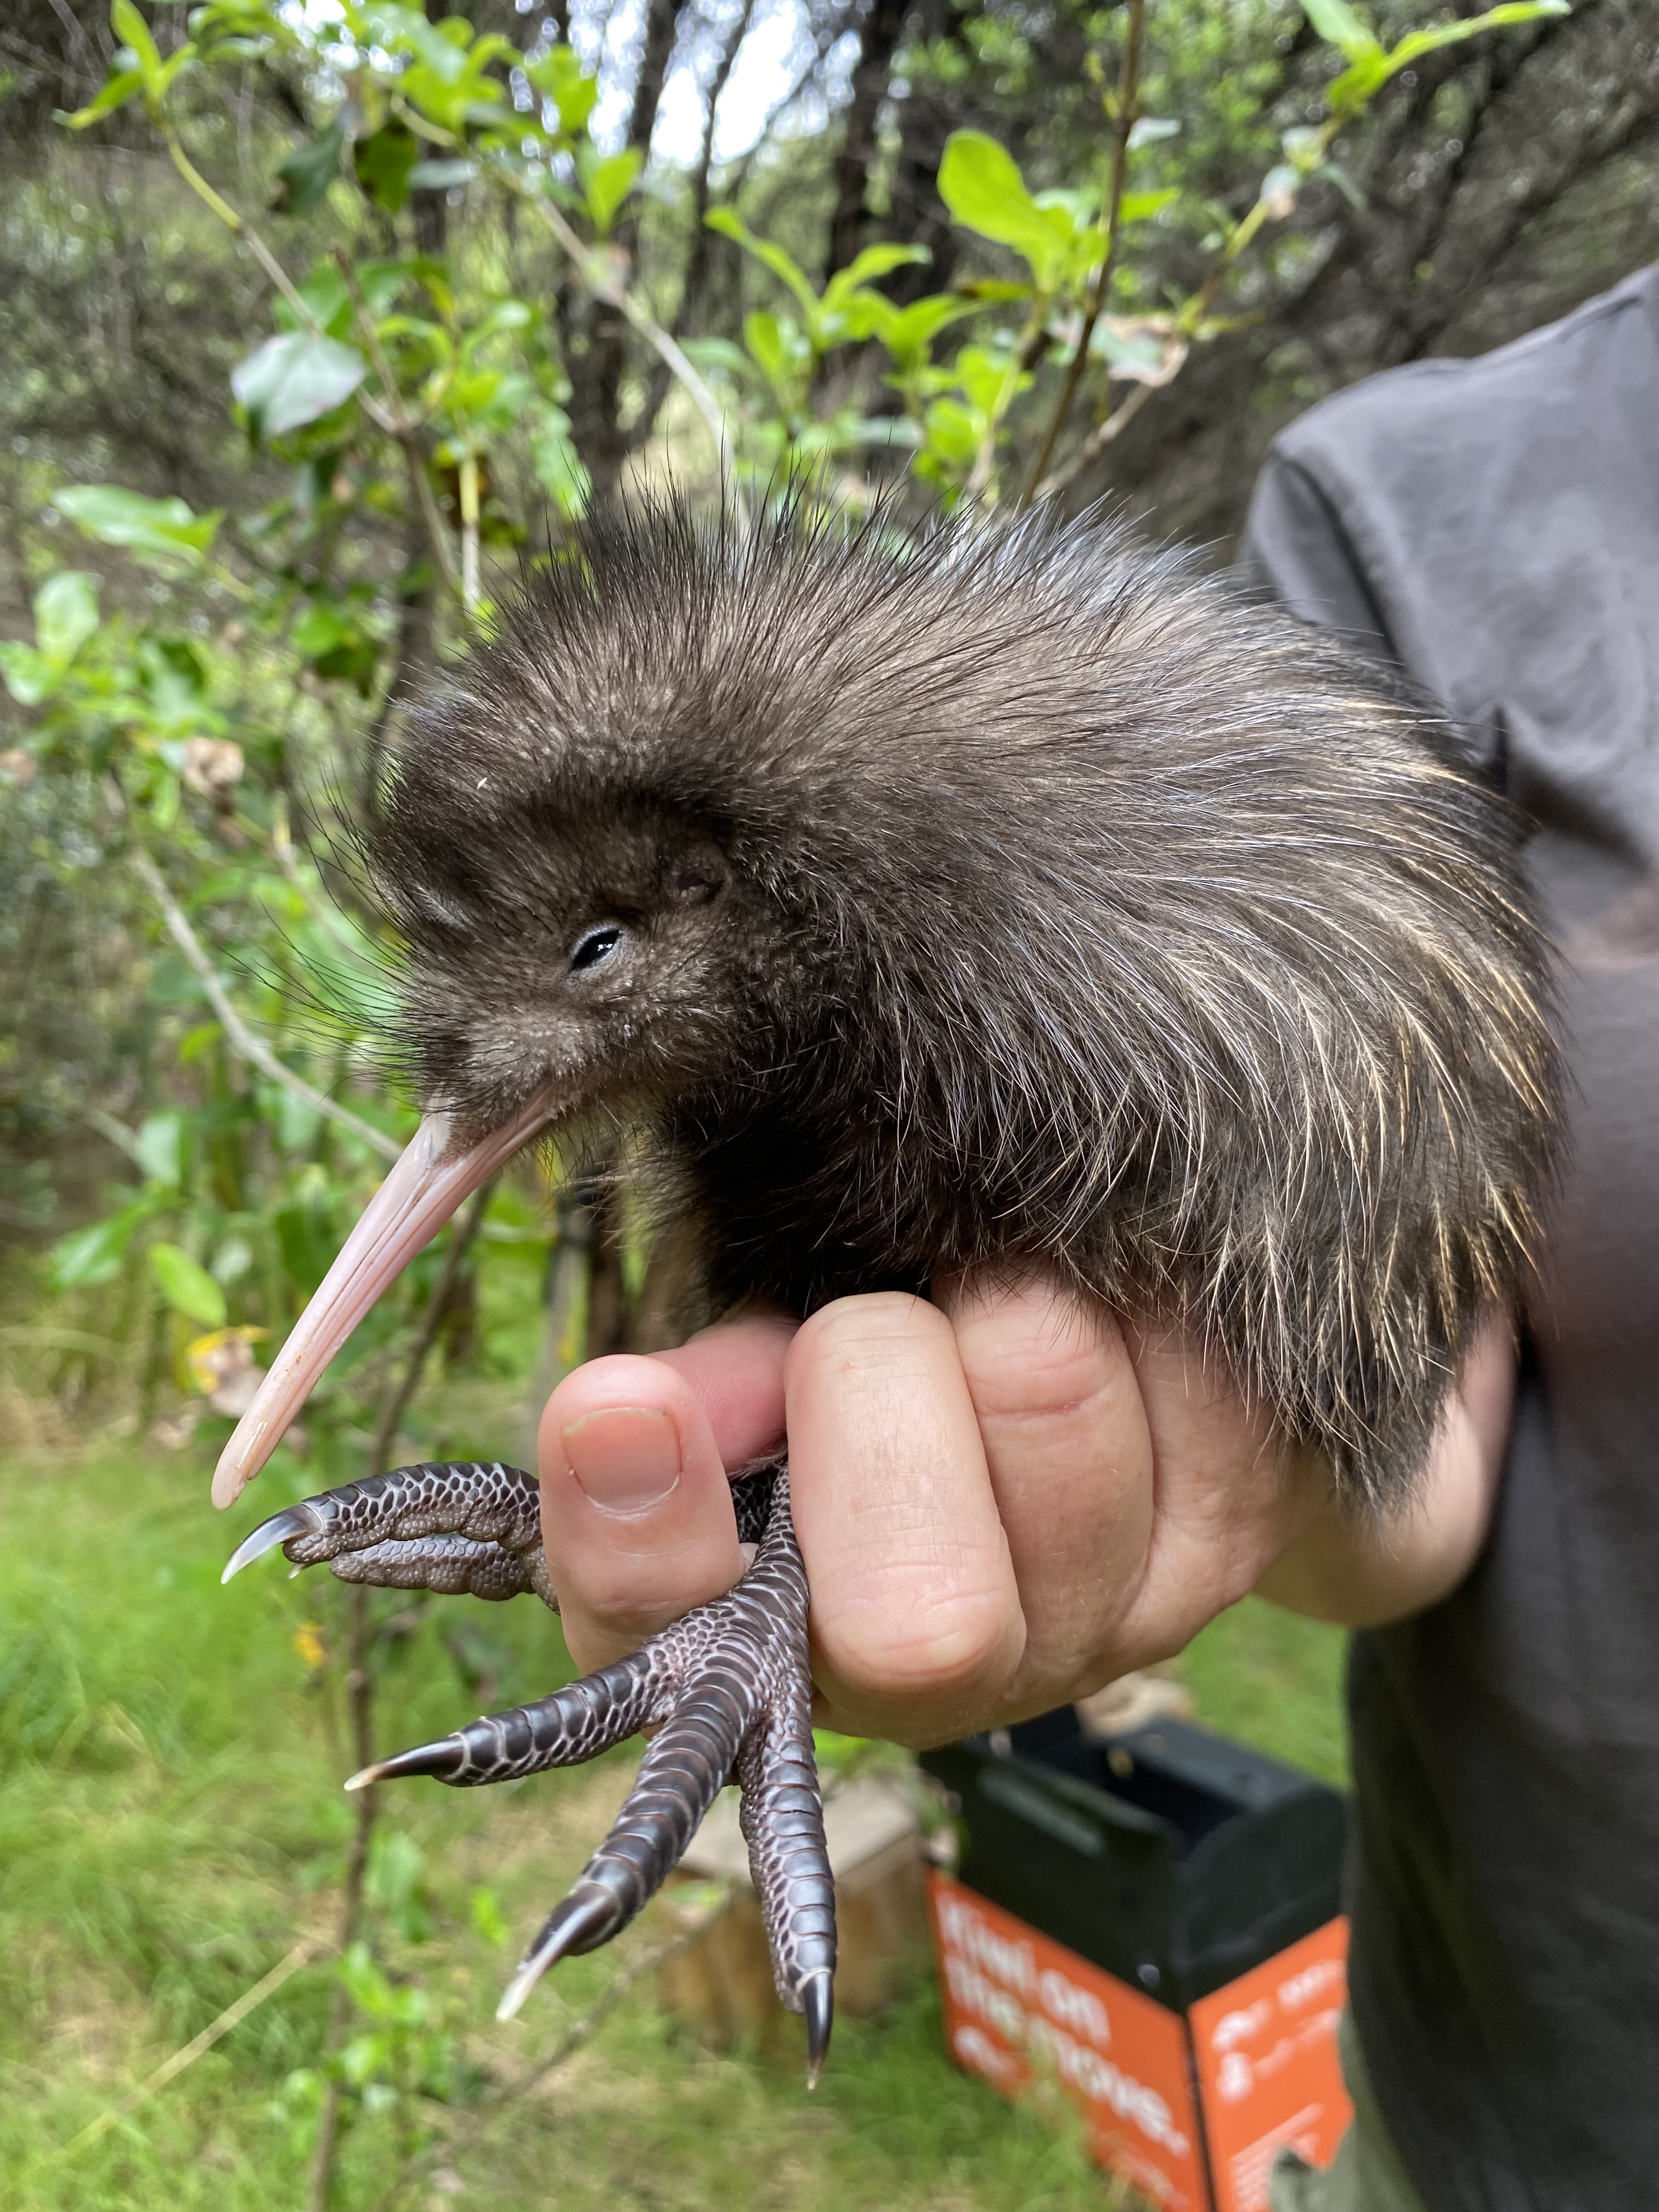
1362, 1573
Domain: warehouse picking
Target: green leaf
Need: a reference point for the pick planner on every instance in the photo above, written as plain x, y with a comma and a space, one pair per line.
309, 171
869, 267
487, 1918
383, 163
982, 372
1332, 173
94, 1253
1137, 207
1511, 13
293, 379
558, 465
394, 1883
162, 529
117, 87
954, 432
318, 630
187, 1286
906, 332
450, 84
65, 614
558, 74
717, 356
441, 176
328, 296
782, 266
981, 183
129, 27
1339, 25
27, 675
161, 1149
779, 348
607, 183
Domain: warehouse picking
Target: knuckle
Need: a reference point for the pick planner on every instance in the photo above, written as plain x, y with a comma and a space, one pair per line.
882, 1329
934, 1652
1064, 1384
1048, 1360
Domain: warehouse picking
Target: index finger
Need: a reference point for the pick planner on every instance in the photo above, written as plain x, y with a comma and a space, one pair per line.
635, 1509
735, 1371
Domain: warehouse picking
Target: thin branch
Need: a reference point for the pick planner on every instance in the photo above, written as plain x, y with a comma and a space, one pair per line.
697, 267
240, 1038
825, 39
396, 420
114, 1132
432, 1319
1128, 100
606, 285
233, 2016
469, 478
1033, 344
1096, 441
240, 225
360, 1694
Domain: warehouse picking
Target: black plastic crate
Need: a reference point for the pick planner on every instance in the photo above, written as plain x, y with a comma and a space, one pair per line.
1170, 1856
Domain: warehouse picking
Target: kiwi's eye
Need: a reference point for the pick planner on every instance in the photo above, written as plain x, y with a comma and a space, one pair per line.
594, 946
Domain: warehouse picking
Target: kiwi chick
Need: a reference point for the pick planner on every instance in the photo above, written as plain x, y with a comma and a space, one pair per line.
995, 897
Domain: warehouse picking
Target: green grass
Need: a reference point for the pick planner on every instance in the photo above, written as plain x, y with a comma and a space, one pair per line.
1274, 1680
171, 1822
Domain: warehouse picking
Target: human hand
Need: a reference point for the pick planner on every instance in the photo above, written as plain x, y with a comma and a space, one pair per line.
1005, 1499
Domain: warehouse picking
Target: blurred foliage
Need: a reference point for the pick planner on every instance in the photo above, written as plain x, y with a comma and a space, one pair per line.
435, 298
171, 1822
321, 322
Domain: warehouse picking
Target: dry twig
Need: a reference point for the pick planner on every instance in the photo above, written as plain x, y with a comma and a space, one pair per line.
241, 1039
1128, 96
234, 2015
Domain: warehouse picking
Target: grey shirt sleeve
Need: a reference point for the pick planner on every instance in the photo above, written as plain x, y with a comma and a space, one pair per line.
1296, 551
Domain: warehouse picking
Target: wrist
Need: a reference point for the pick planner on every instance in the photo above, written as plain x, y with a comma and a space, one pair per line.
1362, 1570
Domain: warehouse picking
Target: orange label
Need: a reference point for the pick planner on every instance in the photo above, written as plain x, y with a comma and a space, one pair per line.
1017, 2004
1267, 2067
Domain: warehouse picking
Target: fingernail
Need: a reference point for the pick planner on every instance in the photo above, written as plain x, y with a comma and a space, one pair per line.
627, 1458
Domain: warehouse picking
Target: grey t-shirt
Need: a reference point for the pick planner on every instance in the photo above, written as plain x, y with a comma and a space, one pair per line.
1494, 526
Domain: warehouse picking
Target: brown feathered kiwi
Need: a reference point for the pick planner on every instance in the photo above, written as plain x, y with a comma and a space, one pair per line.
991, 896
995, 896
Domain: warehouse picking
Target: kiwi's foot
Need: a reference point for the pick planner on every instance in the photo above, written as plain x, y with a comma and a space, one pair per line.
728, 1689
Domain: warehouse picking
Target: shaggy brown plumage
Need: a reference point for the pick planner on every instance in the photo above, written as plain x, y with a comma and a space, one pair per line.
996, 896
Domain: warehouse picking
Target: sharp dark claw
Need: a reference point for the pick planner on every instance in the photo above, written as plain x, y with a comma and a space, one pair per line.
281, 1528
590, 1916
818, 2001
443, 1760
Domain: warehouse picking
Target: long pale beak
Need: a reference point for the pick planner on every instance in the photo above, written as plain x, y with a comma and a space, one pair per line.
428, 1184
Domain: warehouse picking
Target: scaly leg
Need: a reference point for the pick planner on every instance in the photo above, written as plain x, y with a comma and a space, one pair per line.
728, 1688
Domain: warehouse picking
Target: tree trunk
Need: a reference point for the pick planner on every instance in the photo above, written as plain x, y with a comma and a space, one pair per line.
872, 75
